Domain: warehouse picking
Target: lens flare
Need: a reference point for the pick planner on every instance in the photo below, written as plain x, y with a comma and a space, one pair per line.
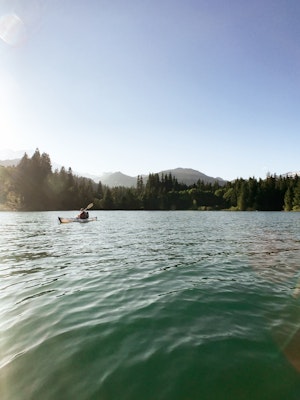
12, 29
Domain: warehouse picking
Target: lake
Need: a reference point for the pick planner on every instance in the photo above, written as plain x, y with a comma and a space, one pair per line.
150, 305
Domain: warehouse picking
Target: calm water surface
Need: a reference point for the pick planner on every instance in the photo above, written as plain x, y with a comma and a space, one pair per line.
150, 305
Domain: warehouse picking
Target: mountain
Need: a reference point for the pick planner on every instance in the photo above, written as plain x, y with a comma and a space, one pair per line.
9, 163
187, 176
190, 176
117, 179
291, 174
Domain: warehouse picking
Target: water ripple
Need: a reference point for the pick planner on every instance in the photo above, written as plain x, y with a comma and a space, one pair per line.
186, 303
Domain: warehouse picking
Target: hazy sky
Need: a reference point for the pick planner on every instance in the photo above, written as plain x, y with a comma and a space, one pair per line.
140, 86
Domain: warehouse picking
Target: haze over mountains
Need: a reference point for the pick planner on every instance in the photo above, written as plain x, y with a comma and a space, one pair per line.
183, 175
187, 176
9, 163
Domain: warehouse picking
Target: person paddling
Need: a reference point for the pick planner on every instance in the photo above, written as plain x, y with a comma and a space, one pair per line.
84, 214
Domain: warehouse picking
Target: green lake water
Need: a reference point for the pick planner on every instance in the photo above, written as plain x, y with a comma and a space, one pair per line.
150, 305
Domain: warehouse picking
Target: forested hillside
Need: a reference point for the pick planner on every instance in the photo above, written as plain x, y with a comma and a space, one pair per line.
33, 186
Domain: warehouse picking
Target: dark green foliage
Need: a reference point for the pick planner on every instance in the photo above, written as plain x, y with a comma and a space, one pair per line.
33, 186
296, 197
288, 199
30, 181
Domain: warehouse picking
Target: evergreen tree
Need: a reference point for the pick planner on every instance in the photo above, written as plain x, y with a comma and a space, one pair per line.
288, 199
31, 181
140, 184
33, 186
107, 202
242, 197
296, 198
99, 192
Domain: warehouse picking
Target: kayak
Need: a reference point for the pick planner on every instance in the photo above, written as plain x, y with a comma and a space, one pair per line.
67, 220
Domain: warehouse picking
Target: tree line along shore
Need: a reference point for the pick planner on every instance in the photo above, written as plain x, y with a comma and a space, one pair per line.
33, 186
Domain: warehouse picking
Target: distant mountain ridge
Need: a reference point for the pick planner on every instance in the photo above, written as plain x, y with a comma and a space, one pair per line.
187, 176
113, 179
291, 174
190, 176
10, 163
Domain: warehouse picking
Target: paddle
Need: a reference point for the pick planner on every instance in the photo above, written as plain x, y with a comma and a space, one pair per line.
89, 206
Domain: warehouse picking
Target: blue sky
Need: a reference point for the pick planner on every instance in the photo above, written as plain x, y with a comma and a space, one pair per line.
140, 86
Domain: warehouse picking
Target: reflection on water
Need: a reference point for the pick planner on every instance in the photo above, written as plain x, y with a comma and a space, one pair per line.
275, 257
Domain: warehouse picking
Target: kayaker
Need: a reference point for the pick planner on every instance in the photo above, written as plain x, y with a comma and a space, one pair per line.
83, 214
